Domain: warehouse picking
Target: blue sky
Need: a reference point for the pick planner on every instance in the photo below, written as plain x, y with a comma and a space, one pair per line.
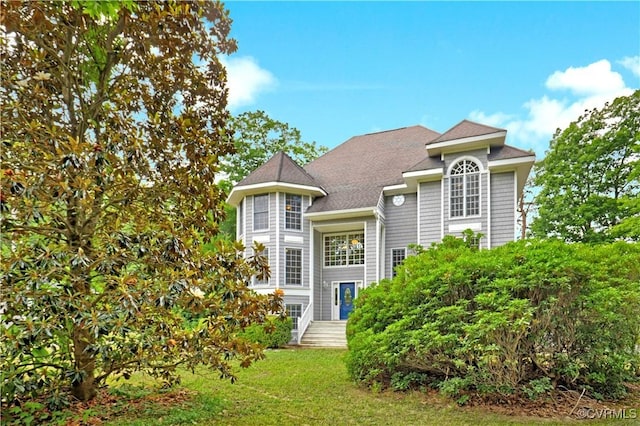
340, 69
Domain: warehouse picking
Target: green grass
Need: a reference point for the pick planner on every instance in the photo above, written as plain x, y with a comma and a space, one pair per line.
304, 387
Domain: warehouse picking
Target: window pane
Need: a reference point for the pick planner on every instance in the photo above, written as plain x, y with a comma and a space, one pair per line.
457, 196
294, 311
335, 250
397, 257
261, 212
293, 266
293, 212
356, 249
473, 194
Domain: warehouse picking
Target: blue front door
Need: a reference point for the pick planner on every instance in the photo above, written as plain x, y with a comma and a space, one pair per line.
347, 294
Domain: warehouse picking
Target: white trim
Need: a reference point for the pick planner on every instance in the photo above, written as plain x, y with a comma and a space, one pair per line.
279, 265
335, 292
293, 239
442, 194
262, 238
395, 189
462, 158
273, 186
312, 282
366, 250
459, 144
378, 244
391, 256
295, 290
459, 227
488, 210
423, 173
341, 214
511, 162
419, 230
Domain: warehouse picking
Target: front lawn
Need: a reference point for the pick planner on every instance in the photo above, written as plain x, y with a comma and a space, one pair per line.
289, 387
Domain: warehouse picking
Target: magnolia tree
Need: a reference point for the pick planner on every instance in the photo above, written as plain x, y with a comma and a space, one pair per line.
113, 121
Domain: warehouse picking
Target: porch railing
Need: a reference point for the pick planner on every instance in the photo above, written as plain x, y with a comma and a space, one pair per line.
304, 320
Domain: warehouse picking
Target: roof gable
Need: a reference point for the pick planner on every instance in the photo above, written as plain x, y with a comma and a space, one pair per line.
279, 168
466, 129
354, 173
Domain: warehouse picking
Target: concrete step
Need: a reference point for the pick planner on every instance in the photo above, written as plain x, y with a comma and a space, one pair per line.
325, 334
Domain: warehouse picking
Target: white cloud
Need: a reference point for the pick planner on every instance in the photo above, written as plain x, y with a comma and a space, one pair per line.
588, 87
632, 63
246, 80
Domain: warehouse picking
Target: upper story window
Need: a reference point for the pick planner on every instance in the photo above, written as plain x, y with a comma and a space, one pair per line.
465, 189
240, 218
344, 249
260, 212
293, 266
293, 212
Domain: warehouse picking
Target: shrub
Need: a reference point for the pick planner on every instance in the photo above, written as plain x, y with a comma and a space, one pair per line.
525, 317
274, 333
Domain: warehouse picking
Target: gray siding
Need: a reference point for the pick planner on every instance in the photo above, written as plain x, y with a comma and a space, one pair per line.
502, 208
318, 291
430, 213
370, 250
401, 226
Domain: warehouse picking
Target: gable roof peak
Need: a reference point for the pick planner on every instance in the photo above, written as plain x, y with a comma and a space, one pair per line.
466, 129
279, 168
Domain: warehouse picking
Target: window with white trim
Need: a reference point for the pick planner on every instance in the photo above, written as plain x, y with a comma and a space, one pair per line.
293, 266
240, 218
344, 249
465, 189
294, 311
264, 281
293, 212
260, 212
397, 257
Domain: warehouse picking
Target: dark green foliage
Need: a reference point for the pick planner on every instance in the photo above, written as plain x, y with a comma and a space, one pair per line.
523, 318
274, 333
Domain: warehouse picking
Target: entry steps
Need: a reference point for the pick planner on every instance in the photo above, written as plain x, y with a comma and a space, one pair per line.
327, 334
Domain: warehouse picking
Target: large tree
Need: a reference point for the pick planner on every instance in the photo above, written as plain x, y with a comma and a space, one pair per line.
113, 122
589, 177
256, 138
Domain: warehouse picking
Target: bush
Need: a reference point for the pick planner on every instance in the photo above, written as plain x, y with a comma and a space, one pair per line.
522, 318
274, 333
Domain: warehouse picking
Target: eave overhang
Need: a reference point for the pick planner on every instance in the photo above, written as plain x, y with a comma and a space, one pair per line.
521, 165
240, 192
342, 214
466, 144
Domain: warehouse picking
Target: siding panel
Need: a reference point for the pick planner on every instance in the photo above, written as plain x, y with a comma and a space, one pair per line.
502, 208
401, 226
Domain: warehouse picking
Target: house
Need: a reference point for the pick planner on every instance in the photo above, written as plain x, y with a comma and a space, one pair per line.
347, 219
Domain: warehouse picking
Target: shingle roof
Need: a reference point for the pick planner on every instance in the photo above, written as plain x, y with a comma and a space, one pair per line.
279, 168
466, 129
354, 173
506, 152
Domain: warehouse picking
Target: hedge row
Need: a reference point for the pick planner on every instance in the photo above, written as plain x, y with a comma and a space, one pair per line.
526, 317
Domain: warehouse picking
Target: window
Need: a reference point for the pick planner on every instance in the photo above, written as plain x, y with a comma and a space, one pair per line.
397, 257
293, 266
293, 212
344, 249
465, 189
260, 212
294, 311
265, 280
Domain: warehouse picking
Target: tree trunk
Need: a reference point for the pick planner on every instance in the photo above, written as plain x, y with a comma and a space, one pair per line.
85, 388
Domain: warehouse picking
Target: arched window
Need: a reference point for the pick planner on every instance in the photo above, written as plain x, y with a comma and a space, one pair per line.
465, 189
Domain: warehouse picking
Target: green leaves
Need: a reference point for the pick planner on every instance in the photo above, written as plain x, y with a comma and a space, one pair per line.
589, 173
513, 319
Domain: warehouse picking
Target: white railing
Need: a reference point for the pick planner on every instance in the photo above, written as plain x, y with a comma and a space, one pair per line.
304, 320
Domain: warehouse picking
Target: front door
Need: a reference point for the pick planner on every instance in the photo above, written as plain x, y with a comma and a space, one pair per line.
347, 294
